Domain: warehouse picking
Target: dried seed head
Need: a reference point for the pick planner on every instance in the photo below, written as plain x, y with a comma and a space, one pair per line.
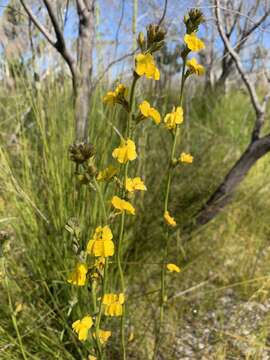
155, 37
193, 20
81, 152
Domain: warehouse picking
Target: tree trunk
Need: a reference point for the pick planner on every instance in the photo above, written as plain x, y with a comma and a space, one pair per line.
85, 63
224, 192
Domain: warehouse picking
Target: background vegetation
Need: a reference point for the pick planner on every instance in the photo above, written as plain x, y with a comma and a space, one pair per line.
225, 264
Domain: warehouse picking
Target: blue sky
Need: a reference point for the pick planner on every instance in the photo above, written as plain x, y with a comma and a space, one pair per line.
110, 13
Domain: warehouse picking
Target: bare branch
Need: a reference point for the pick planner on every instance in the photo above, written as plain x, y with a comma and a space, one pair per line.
38, 24
250, 87
256, 25
235, 22
110, 65
118, 27
164, 13
60, 44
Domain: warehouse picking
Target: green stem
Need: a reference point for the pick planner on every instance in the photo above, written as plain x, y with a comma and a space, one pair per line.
94, 296
105, 274
122, 282
122, 224
131, 100
166, 238
101, 199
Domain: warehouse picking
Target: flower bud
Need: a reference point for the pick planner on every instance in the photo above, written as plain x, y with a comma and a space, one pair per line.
141, 41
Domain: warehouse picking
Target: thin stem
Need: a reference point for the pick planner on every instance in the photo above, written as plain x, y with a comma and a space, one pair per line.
163, 295
131, 98
122, 224
105, 274
101, 199
94, 296
122, 281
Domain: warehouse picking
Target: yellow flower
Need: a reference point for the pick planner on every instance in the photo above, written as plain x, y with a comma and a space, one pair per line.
173, 268
113, 304
110, 98
121, 90
91, 357
125, 152
122, 205
135, 184
82, 326
186, 158
78, 277
174, 118
104, 335
113, 97
101, 244
107, 174
145, 65
169, 219
131, 336
193, 43
194, 67
149, 111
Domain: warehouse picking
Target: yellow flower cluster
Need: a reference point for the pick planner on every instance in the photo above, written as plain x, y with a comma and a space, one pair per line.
194, 44
148, 111
113, 304
134, 184
81, 327
101, 244
145, 65
125, 152
174, 118
78, 276
123, 205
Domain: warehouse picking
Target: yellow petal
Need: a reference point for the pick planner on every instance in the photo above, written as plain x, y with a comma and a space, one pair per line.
122, 205
155, 115
194, 67
78, 276
125, 152
82, 326
186, 158
193, 42
169, 219
173, 268
134, 184
144, 108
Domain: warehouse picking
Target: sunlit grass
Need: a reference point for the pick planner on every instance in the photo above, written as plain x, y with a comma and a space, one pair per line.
39, 195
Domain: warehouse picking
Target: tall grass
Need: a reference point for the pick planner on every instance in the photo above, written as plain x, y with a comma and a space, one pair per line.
39, 194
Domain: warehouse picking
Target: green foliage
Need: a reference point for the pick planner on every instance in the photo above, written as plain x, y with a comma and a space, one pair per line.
39, 194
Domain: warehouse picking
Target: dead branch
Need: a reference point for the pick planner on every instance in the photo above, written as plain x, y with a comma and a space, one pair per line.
257, 148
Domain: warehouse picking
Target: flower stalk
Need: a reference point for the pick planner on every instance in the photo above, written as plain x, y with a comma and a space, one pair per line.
123, 216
